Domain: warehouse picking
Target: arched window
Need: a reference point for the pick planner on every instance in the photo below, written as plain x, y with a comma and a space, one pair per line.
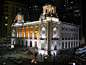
31, 32
65, 44
55, 32
46, 10
69, 44
26, 32
52, 10
36, 32
42, 46
19, 32
62, 45
23, 32
43, 32
55, 46
13, 42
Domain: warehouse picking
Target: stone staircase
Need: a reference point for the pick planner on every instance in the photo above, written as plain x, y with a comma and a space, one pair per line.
32, 49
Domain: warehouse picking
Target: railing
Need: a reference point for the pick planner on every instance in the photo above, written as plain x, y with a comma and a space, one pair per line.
42, 49
55, 38
43, 38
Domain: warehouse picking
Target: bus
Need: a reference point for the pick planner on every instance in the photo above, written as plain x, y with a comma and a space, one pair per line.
80, 50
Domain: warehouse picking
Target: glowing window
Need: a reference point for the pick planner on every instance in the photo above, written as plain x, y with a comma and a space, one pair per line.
54, 28
23, 32
19, 32
31, 32
36, 32
42, 46
43, 28
26, 32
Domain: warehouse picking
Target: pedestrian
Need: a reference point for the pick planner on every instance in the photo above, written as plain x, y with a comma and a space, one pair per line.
41, 56
58, 56
21, 57
54, 55
35, 55
68, 52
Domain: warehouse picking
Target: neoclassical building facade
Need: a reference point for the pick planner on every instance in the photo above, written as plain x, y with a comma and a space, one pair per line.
48, 35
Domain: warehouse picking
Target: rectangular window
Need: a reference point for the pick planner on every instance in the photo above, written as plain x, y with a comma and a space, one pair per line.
42, 46
6, 10
12, 7
26, 32
69, 45
6, 6
65, 44
62, 45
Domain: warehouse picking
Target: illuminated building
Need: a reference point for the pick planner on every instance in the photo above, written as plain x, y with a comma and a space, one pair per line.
48, 35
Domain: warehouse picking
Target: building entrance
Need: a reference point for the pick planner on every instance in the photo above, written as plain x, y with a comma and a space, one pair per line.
30, 43
19, 42
26, 43
35, 44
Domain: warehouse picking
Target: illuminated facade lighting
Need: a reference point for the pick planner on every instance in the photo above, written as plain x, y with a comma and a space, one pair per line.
47, 35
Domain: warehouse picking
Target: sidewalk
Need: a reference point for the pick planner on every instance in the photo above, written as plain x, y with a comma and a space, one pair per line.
64, 54
50, 58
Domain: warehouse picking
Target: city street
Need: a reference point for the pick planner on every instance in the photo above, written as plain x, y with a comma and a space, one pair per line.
40, 60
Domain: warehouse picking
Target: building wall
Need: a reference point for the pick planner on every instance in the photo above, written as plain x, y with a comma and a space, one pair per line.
9, 11
52, 34
62, 41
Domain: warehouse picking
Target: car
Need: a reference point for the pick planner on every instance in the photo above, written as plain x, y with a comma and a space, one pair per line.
17, 60
33, 61
10, 58
84, 59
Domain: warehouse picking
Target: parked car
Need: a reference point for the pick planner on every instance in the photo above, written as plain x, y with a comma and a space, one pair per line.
10, 58
83, 54
17, 60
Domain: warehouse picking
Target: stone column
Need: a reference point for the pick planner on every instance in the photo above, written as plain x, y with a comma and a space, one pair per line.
17, 32
43, 10
70, 44
38, 32
67, 45
28, 32
21, 32
11, 31
60, 32
49, 8
78, 33
64, 45
55, 10
49, 36
33, 32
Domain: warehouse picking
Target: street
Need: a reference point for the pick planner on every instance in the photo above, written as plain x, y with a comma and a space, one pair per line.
64, 57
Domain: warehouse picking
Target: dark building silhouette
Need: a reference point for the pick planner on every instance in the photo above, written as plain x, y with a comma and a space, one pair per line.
8, 12
72, 11
35, 8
